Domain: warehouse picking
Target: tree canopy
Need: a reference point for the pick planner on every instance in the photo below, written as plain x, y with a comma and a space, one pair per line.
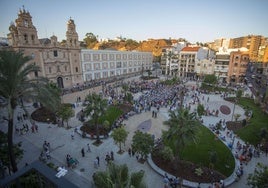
259, 178
118, 176
119, 135
95, 108
183, 128
142, 143
16, 86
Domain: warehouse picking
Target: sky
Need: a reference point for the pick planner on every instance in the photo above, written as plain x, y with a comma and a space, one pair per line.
194, 20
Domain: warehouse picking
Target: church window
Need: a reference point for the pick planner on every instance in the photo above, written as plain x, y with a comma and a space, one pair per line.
33, 38
76, 69
55, 53
26, 23
58, 68
49, 69
65, 67
26, 38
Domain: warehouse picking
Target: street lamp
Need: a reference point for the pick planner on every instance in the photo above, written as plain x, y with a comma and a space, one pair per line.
234, 109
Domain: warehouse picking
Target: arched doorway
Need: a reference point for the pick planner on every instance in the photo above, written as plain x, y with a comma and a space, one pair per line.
60, 82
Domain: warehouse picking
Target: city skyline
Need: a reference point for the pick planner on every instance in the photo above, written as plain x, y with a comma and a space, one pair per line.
196, 21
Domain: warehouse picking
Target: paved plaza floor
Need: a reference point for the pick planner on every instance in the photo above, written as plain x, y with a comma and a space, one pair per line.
62, 144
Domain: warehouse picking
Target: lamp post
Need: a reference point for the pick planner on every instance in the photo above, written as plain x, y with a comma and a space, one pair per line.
234, 109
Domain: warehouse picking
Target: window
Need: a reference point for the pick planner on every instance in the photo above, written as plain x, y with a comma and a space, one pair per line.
58, 68
76, 69
118, 65
36, 73
49, 69
55, 52
65, 67
26, 38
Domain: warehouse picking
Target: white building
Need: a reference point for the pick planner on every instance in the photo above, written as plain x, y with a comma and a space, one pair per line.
101, 64
205, 61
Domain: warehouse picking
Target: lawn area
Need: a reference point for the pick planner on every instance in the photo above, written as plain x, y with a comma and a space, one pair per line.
210, 88
200, 153
252, 132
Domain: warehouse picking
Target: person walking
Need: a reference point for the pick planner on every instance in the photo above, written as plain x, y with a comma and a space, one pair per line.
88, 148
96, 163
98, 160
72, 135
83, 152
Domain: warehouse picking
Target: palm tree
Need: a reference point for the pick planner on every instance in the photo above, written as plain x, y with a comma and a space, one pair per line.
95, 108
117, 176
15, 86
183, 130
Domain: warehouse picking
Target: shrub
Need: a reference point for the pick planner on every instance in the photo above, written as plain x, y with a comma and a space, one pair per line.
166, 153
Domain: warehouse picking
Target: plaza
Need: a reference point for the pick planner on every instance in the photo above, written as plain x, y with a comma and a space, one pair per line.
61, 144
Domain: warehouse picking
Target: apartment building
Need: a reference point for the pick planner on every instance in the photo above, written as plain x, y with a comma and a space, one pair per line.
187, 60
237, 66
222, 66
102, 64
251, 42
219, 43
58, 62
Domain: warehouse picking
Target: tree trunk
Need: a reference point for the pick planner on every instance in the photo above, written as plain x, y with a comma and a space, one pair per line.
10, 146
97, 133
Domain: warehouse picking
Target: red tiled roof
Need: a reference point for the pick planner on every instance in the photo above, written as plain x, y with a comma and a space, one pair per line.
190, 49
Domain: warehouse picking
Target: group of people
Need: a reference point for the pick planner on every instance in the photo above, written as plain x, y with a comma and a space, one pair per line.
71, 162
170, 182
45, 153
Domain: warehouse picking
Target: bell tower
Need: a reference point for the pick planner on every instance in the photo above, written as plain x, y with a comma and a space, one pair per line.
71, 35
23, 32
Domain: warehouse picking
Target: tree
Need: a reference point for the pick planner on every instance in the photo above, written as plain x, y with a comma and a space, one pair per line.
200, 109
4, 158
90, 40
117, 176
96, 107
259, 178
120, 136
142, 143
125, 88
239, 94
65, 112
210, 79
183, 128
16, 85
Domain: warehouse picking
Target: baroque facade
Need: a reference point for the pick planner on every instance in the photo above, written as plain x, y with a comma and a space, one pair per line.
59, 62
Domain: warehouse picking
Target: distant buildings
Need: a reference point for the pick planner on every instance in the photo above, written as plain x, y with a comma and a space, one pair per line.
251, 42
64, 63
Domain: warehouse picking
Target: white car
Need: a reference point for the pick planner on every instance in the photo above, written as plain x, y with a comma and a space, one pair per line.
250, 85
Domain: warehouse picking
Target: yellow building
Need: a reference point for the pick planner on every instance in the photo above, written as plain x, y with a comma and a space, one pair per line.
251, 42
60, 63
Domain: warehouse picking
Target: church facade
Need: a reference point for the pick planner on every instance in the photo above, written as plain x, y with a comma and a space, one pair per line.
59, 62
